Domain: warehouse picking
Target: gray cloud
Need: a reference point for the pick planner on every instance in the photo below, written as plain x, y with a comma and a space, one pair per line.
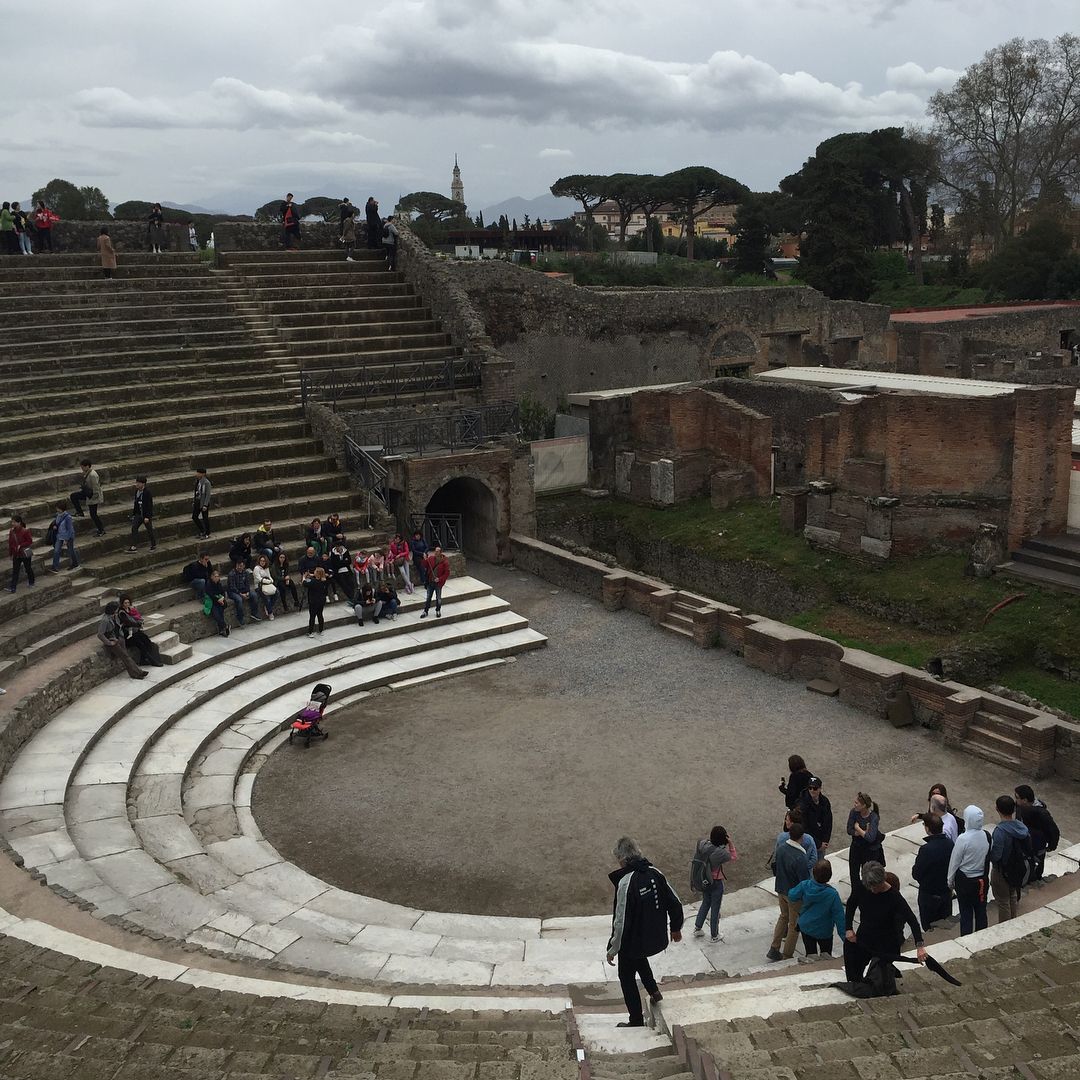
228, 103
913, 78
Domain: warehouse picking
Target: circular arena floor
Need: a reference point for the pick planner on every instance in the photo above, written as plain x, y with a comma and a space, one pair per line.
501, 792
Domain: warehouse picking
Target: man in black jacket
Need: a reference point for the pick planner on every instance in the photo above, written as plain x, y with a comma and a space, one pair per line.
142, 514
817, 815
931, 871
1045, 834
644, 904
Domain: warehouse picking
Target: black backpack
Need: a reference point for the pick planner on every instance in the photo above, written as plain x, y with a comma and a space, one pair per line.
1018, 866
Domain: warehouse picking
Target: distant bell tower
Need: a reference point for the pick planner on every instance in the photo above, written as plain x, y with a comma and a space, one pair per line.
457, 188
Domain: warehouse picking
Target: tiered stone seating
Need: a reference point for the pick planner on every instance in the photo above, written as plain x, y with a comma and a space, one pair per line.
358, 318
71, 1018
152, 372
97, 801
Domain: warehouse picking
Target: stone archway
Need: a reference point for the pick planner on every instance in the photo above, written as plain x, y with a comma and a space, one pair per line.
478, 507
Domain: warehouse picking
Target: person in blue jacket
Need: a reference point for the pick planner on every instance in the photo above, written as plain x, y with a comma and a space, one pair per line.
821, 911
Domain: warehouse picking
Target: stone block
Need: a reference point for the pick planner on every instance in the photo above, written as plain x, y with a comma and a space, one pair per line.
863, 477
793, 505
729, 486
879, 549
662, 482
624, 463
829, 539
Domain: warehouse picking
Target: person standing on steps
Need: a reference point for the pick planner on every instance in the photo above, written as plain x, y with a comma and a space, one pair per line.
22, 228
317, 589
90, 493
374, 223
864, 828
437, 568
714, 851
7, 230
44, 220
883, 912
820, 909
142, 514
816, 813
419, 548
21, 550
192, 236
1036, 815
931, 871
791, 868
1011, 841
389, 239
399, 558
200, 503
348, 235
63, 530
290, 224
155, 228
645, 904
969, 871
111, 636
107, 253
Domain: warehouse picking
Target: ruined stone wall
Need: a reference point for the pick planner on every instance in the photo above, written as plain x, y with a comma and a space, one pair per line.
82, 236
937, 348
902, 471
266, 236
700, 432
565, 339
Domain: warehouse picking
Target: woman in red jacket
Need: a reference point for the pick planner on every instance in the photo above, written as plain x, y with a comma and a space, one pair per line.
20, 549
437, 567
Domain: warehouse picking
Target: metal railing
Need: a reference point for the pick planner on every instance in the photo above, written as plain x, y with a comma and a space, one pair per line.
387, 382
464, 429
363, 463
442, 530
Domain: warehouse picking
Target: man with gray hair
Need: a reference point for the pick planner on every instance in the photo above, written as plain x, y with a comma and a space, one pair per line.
644, 905
883, 912
949, 825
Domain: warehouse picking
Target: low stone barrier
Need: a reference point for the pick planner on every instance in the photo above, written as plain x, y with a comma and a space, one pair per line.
266, 235
866, 682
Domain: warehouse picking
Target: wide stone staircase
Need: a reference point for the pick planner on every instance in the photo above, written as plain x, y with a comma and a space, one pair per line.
63, 1017
152, 372
357, 330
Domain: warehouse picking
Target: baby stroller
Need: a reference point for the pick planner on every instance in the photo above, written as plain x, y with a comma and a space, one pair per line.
306, 725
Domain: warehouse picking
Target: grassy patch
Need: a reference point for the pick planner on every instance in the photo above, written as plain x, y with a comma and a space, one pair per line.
906, 609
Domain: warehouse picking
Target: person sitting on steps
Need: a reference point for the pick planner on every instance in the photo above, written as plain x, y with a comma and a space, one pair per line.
111, 636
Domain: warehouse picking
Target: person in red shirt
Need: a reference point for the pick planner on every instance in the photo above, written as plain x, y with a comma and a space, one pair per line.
44, 220
21, 552
437, 570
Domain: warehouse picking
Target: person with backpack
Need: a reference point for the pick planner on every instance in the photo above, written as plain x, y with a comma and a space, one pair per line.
707, 877
1011, 859
820, 910
969, 871
931, 871
644, 906
1036, 815
791, 868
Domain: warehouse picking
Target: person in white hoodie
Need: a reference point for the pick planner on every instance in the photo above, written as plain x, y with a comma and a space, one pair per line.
969, 871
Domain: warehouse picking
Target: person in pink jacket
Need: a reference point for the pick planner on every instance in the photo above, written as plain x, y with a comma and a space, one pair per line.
399, 557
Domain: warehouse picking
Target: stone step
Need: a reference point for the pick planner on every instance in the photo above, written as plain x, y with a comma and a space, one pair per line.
1008, 727
362, 330
1003, 737
363, 272
212, 446
60, 259
44, 276
1061, 562
94, 290
1039, 575
670, 623
351, 307
989, 752
192, 413
239, 259
48, 629
171, 649
328, 291
137, 309
360, 312
244, 351
120, 325
1066, 544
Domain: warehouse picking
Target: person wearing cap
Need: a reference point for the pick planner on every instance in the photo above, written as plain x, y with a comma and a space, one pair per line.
142, 514
817, 815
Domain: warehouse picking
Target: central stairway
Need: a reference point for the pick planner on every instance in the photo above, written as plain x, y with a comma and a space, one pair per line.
357, 324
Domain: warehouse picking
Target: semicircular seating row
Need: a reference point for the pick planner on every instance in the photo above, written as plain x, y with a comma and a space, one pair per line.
137, 799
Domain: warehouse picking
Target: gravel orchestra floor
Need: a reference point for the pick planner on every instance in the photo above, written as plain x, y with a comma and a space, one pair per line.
501, 792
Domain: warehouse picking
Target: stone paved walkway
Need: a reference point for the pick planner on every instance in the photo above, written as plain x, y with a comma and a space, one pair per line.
501, 792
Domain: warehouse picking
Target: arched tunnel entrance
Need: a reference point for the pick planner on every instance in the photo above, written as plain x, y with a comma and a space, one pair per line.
476, 504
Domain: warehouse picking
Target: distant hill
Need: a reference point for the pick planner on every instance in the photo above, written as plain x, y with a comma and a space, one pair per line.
191, 208
542, 208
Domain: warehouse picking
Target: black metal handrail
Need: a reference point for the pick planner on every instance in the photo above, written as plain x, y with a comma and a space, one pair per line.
439, 530
363, 463
389, 381
460, 430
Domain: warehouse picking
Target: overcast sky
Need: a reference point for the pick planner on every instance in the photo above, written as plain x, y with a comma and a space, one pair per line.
230, 103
